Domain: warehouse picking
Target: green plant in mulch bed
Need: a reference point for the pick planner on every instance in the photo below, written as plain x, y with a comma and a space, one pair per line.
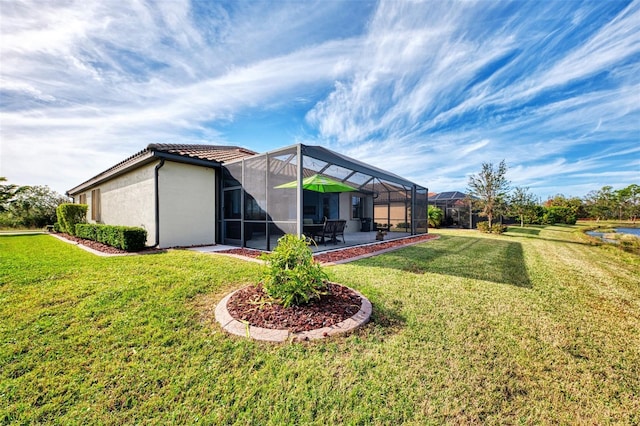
292, 277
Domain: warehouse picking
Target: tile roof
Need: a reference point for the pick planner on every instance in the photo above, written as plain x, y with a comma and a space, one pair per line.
219, 153
191, 153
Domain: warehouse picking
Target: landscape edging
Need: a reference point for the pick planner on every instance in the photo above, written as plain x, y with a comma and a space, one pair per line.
239, 328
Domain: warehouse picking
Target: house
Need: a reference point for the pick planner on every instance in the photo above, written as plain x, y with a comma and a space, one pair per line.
456, 208
186, 195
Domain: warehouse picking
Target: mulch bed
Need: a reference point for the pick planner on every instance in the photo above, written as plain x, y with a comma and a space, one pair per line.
252, 304
102, 247
345, 253
327, 257
244, 252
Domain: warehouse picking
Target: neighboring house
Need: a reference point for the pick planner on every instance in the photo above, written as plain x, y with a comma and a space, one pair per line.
456, 207
186, 195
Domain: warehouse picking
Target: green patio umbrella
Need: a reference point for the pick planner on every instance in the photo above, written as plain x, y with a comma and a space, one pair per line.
319, 183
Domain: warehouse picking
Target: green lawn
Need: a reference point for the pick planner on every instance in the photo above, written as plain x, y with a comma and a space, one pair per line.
532, 327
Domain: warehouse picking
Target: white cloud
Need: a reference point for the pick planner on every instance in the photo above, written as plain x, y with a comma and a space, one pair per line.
428, 90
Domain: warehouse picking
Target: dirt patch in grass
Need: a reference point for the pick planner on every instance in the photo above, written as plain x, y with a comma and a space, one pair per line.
252, 304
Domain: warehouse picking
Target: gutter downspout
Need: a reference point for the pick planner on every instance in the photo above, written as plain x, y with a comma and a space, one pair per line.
157, 200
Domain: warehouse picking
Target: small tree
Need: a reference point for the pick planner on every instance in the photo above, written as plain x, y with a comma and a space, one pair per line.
488, 190
521, 204
628, 200
575, 204
292, 277
602, 204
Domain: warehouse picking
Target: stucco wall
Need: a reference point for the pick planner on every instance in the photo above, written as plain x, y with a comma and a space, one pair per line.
397, 212
128, 200
187, 205
353, 225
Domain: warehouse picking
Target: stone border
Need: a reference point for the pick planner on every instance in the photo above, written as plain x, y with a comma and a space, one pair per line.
239, 328
375, 253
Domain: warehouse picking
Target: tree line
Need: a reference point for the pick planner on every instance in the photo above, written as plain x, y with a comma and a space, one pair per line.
28, 206
489, 191
491, 194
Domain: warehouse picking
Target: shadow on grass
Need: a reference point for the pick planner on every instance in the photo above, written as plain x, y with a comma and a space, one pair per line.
467, 257
526, 231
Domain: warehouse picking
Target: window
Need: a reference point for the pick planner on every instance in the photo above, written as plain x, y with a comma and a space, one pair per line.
357, 207
95, 205
82, 199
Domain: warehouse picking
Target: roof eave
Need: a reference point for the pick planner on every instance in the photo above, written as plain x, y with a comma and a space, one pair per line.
144, 158
341, 160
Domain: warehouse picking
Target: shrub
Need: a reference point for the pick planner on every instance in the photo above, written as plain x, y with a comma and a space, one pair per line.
404, 225
435, 216
292, 277
71, 214
483, 227
558, 214
122, 237
498, 228
57, 227
86, 231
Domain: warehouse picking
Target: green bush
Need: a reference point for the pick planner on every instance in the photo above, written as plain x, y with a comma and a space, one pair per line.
122, 237
292, 277
57, 227
435, 217
498, 228
558, 214
483, 227
69, 215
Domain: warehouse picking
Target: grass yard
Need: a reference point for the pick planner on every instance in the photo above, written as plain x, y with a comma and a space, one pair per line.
532, 327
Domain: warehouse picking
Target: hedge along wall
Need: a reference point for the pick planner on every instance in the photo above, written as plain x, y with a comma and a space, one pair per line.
123, 237
69, 215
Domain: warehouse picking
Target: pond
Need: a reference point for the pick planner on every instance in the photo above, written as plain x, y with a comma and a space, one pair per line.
632, 231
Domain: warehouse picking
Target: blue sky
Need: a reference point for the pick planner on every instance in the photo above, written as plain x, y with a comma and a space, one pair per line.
427, 90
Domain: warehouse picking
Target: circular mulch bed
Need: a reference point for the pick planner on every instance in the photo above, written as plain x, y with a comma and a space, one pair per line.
251, 304
247, 312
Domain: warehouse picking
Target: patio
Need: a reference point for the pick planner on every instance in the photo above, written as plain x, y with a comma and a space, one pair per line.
296, 189
350, 239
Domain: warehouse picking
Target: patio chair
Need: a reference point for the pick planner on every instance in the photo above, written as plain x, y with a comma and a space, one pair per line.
340, 225
331, 230
326, 232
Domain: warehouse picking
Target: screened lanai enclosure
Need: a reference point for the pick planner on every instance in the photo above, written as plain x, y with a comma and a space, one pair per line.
298, 189
457, 209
